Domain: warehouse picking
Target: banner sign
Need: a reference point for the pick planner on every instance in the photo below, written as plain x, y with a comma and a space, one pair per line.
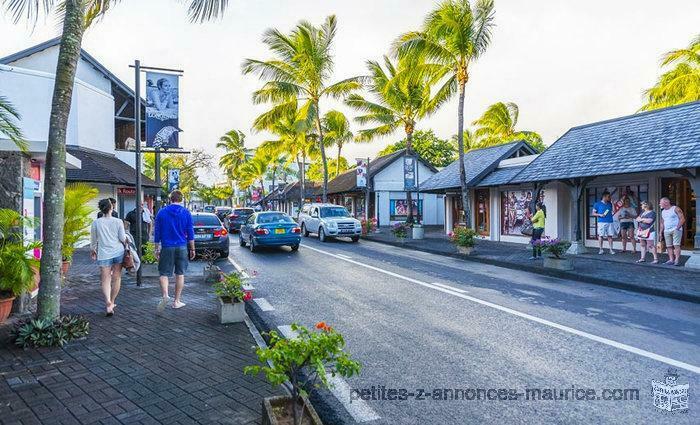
361, 180
162, 112
409, 174
173, 179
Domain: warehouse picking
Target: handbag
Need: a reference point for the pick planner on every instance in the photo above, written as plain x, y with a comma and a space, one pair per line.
128, 260
527, 228
643, 233
661, 246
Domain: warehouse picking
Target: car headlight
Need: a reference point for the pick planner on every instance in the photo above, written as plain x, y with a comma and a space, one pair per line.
332, 224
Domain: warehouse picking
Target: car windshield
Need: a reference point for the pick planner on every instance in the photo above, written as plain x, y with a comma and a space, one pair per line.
243, 211
328, 212
272, 218
205, 220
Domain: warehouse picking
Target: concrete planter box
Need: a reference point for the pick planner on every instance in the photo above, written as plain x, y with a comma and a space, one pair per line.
149, 270
418, 232
231, 312
564, 264
466, 250
269, 418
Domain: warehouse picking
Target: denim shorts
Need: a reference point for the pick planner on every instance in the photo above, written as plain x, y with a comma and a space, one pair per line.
110, 261
173, 259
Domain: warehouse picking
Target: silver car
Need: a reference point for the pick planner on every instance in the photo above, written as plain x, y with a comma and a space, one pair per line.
329, 220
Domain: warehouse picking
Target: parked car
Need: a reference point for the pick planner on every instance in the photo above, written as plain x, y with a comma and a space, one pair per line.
210, 234
270, 228
237, 217
222, 212
209, 209
329, 220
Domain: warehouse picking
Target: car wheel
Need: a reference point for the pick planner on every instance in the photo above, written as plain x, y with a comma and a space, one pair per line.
241, 242
304, 231
355, 238
253, 248
321, 234
295, 247
224, 254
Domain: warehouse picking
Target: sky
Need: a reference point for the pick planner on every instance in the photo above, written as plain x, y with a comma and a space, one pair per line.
563, 62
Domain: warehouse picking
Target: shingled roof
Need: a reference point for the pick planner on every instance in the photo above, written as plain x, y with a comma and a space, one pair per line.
662, 139
293, 190
478, 163
501, 176
100, 167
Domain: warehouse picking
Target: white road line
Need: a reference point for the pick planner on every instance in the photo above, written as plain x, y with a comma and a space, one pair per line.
606, 341
263, 304
260, 341
240, 269
358, 409
344, 256
462, 291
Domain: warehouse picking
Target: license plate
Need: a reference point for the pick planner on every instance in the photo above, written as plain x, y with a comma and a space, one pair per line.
202, 237
346, 231
280, 231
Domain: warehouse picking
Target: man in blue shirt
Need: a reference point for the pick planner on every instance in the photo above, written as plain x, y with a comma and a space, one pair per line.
174, 239
603, 210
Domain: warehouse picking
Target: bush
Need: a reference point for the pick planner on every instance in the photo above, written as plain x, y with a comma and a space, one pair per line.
305, 360
17, 265
400, 230
556, 247
463, 236
47, 333
149, 254
230, 289
369, 226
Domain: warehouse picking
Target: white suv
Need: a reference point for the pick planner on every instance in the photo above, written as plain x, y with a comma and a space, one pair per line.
329, 220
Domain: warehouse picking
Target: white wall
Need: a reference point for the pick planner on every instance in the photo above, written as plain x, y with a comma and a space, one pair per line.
391, 177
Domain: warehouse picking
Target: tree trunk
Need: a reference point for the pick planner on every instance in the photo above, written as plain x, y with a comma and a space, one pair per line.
409, 195
49, 300
302, 182
460, 147
323, 153
274, 185
337, 161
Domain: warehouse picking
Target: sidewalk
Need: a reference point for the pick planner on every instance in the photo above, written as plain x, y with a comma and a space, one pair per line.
181, 367
618, 271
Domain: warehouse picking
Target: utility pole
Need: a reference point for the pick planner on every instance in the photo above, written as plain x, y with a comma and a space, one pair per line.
137, 137
159, 183
367, 193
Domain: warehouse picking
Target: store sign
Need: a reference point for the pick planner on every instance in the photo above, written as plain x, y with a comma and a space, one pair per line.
128, 191
361, 178
409, 174
162, 110
173, 179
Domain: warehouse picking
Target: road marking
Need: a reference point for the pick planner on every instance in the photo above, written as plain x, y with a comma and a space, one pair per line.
462, 291
606, 341
260, 341
344, 256
263, 304
358, 409
240, 269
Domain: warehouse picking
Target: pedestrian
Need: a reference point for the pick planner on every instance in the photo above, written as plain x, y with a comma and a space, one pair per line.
603, 209
627, 215
672, 221
133, 226
646, 233
537, 221
107, 241
174, 239
147, 218
115, 214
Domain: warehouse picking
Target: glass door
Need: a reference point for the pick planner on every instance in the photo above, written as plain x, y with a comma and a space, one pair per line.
481, 211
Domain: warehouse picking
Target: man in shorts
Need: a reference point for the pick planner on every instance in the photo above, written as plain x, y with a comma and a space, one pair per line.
671, 221
174, 240
603, 209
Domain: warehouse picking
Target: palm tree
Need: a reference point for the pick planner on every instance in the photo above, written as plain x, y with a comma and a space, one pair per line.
300, 70
233, 143
468, 140
402, 96
453, 36
8, 123
497, 126
680, 84
253, 171
337, 132
77, 16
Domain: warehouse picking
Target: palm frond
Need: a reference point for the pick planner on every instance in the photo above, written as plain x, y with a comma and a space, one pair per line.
8, 125
205, 10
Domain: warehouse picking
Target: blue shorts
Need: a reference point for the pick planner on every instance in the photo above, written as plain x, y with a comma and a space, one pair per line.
173, 259
110, 261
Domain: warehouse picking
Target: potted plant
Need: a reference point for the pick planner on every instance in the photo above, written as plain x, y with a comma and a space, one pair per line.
232, 298
463, 238
400, 231
305, 362
76, 219
556, 248
418, 231
212, 272
149, 262
17, 262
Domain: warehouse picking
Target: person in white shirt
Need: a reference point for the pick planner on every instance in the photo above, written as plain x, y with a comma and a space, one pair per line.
107, 241
671, 222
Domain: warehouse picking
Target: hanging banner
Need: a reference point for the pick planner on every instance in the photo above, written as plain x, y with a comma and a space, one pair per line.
409, 173
162, 112
361, 180
173, 179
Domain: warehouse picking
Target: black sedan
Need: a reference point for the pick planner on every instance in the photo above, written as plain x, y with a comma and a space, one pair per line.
210, 234
238, 217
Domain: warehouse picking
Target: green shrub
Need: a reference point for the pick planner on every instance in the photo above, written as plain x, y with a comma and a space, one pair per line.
230, 289
47, 333
149, 254
463, 236
17, 262
77, 216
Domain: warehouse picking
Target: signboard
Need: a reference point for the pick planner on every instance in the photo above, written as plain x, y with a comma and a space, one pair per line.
173, 179
361, 178
398, 209
131, 191
162, 110
255, 195
409, 174
29, 186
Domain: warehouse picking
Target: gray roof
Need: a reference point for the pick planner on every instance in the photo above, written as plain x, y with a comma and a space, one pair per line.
501, 176
663, 139
101, 167
477, 163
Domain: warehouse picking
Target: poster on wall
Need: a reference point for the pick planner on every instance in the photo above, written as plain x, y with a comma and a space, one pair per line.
409, 174
29, 186
361, 180
635, 193
398, 209
515, 206
173, 179
162, 110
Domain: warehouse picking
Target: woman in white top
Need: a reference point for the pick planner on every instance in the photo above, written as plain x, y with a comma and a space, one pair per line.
627, 216
107, 240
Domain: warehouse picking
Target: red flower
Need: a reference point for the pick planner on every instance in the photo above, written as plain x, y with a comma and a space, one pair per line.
247, 296
321, 325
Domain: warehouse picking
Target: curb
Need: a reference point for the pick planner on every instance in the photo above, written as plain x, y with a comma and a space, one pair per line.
681, 296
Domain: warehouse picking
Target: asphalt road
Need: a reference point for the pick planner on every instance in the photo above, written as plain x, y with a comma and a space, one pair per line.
419, 321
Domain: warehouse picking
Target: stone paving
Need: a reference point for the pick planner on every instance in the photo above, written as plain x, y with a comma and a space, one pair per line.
180, 367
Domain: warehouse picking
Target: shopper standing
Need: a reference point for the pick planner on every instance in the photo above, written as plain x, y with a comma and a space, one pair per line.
107, 241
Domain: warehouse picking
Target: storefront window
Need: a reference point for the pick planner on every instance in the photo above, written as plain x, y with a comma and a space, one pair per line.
398, 209
515, 209
635, 192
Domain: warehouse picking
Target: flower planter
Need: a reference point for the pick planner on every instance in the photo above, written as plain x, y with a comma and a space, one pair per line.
278, 410
565, 264
418, 232
231, 312
466, 250
5, 308
65, 266
149, 270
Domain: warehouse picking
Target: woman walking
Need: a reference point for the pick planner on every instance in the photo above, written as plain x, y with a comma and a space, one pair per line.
646, 233
107, 240
627, 216
537, 230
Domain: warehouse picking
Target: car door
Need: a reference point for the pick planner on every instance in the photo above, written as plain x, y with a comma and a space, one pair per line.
245, 229
249, 224
315, 220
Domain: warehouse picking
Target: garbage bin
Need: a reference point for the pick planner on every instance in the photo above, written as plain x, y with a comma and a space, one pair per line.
418, 231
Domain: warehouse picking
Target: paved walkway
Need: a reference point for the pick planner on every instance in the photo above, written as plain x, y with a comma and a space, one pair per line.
619, 270
181, 367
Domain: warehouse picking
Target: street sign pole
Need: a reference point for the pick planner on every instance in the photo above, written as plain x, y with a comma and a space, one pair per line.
137, 137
